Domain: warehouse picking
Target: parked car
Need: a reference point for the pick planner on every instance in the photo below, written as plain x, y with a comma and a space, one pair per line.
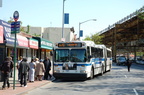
139, 60
121, 60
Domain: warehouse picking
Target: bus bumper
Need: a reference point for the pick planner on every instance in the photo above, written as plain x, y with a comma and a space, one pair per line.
70, 76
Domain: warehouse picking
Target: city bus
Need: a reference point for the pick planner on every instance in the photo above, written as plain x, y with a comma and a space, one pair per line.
80, 60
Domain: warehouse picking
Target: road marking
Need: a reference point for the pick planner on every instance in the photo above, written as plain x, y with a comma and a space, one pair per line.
135, 91
125, 76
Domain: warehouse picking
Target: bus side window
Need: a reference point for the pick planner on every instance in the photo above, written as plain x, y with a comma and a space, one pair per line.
88, 54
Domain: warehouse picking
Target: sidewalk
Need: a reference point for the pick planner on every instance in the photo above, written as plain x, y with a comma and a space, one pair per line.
21, 90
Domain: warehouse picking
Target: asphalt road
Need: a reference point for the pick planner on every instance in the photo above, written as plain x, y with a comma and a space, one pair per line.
116, 82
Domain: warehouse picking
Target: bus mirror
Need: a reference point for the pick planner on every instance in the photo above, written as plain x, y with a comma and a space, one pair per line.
89, 56
51, 53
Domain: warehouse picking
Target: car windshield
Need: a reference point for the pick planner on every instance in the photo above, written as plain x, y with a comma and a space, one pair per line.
122, 58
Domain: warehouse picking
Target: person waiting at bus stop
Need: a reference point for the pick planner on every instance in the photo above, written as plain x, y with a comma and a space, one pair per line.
47, 64
24, 68
129, 64
6, 70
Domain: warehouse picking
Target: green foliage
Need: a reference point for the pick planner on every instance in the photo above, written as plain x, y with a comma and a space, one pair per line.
95, 37
36, 35
87, 38
141, 15
23, 30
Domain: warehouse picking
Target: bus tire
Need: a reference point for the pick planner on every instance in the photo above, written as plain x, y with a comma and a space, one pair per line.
92, 73
102, 70
110, 68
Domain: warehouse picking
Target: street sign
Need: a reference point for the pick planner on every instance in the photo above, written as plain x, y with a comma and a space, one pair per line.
15, 27
16, 15
66, 18
81, 33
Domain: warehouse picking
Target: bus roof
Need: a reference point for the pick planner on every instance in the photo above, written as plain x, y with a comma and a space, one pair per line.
88, 43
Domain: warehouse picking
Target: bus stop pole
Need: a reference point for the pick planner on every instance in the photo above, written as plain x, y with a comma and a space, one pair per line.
14, 61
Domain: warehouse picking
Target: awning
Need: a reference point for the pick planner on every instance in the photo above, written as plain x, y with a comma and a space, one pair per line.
1, 34
22, 41
33, 43
10, 38
43, 43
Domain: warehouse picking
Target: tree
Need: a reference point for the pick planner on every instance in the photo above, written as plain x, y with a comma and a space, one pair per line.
95, 37
88, 38
141, 15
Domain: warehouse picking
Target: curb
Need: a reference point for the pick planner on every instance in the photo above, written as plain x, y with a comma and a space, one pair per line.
24, 92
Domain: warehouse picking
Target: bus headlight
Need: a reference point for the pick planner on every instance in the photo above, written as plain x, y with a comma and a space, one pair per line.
83, 65
57, 71
56, 65
82, 71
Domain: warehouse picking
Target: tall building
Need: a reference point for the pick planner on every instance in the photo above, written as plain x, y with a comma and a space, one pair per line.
53, 34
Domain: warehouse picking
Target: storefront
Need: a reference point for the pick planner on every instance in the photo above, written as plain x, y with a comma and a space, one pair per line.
45, 47
2, 47
1, 34
33, 45
9, 39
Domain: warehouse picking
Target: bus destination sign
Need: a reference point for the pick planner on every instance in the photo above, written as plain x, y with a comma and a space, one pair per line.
69, 44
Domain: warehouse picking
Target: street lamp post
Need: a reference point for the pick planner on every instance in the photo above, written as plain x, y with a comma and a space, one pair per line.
63, 20
84, 22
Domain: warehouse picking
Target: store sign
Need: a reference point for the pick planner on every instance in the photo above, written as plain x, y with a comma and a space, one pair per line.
1, 34
46, 44
33, 43
22, 41
7, 32
10, 38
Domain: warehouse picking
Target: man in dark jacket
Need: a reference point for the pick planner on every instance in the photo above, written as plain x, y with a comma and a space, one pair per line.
47, 64
6, 69
24, 68
129, 64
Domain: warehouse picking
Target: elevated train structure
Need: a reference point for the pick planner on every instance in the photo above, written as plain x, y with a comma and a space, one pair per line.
126, 35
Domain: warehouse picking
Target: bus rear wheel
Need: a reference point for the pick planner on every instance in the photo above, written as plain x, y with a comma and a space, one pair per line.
92, 74
102, 70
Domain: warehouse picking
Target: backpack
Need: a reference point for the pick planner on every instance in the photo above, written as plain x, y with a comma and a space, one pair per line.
6, 66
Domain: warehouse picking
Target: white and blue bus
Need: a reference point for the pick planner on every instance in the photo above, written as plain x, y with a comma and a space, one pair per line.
80, 59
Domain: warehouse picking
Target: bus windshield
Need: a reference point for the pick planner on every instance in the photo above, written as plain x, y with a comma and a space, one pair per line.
78, 55
73, 55
62, 55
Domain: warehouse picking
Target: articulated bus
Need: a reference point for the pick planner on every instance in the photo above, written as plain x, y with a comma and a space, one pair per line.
80, 59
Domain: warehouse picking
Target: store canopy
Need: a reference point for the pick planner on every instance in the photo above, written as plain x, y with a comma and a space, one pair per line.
33, 43
21, 41
1, 34
45, 44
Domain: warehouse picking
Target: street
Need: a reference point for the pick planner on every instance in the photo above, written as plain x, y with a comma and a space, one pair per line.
117, 82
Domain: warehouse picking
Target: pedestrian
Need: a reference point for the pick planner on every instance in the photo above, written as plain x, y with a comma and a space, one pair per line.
32, 70
11, 60
47, 64
40, 69
36, 62
24, 68
129, 64
6, 68
19, 61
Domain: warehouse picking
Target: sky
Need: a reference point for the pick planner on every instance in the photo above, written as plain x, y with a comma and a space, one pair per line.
48, 13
